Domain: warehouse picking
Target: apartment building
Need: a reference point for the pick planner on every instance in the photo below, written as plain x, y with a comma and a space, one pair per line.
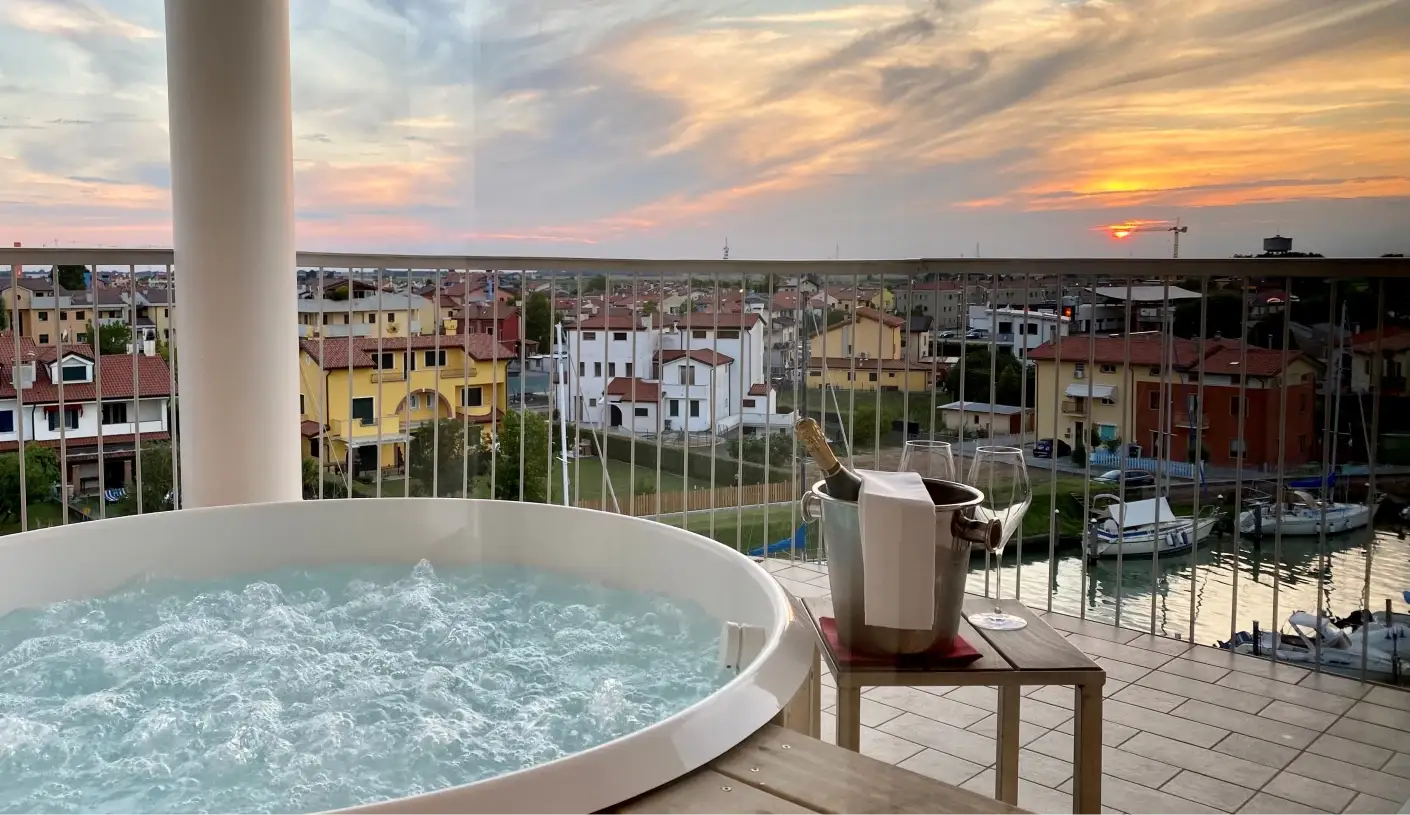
49, 315
1019, 330
357, 309
69, 402
943, 300
864, 353
1391, 351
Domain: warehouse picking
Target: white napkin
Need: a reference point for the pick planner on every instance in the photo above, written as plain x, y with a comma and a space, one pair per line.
898, 550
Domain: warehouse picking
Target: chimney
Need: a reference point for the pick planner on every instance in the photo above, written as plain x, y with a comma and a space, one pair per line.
450, 326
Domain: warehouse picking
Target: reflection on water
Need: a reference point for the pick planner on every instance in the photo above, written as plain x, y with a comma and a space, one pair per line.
1172, 590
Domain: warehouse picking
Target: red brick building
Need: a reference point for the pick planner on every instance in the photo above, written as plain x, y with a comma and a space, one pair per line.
1223, 368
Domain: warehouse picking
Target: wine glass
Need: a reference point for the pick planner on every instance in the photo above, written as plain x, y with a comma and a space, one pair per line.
932, 459
1001, 474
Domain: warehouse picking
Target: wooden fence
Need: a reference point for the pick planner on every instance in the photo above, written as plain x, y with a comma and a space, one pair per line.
718, 498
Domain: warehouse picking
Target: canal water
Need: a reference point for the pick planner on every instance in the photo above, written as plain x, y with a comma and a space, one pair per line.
1227, 585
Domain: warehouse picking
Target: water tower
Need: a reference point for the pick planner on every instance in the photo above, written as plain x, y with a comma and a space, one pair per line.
1277, 245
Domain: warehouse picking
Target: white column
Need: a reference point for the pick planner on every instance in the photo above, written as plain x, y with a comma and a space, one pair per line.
233, 211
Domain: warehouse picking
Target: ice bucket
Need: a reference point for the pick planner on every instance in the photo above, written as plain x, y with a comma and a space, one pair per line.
956, 530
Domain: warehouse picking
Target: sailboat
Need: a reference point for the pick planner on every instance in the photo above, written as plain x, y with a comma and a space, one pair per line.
1144, 528
1338, 649
1301, 513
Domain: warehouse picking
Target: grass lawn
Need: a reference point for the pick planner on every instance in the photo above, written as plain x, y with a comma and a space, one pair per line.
41, 514
892, 402
585, 479
747, 535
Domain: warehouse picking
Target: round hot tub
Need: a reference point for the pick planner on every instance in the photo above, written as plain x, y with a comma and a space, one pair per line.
578, 546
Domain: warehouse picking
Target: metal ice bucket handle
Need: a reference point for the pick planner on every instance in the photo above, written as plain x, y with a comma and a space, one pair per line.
988, 534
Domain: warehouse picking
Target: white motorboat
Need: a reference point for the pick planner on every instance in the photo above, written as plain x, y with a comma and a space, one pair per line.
1143, 528
1301, 513
1338, 650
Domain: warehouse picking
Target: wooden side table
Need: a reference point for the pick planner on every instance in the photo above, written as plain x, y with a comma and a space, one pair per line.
1035, 655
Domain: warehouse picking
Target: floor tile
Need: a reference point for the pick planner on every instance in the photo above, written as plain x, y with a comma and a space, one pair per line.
828, 697
827, 728
1367, 733
1116, 761
943, 737
1298, 715
980, 696
1352, 776
1032, 797
1390, 697
942, 766
1136, 798
1399, 764
1164, 645
797, 573
1221, 795
1031, 709
1193, 689
1256, 750
1123, 671
1043, 769
1094, 647
1381, 715
1090, 628
1310, 791
1364, 803
915, 700
1284, 692
1248, 724
1138, 694
1164, 724
1265, 804
887, 747
1227, 768
1184, 666
798, 588
1353, 752
875, 714
1339, 685
1027, 731
1256, 666
1113, 733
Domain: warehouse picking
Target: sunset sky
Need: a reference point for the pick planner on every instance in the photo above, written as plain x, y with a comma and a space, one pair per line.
795, 129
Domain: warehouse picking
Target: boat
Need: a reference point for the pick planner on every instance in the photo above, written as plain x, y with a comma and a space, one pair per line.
1338, 646
1301, 513
1143, 528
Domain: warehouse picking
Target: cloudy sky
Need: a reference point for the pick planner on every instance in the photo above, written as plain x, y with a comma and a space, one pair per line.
794, 128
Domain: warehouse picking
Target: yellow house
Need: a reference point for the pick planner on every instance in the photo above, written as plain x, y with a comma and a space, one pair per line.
366, 313
368, 399
873, 336
869, 375
1093, 389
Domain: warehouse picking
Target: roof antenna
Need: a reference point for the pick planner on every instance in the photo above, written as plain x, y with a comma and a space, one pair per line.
726, 247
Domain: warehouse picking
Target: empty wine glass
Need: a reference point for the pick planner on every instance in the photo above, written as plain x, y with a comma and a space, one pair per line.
1001, 474
932, 459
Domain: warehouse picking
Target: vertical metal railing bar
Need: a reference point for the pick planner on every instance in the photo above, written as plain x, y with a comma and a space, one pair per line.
963, 337
136, 391
1090, 374
1243, 444
743, 392
660, 319
323, 411
906, 355
683, 328
62, 412
1053, 516
934, 367
770, 398
1377, 349
714, 439
523, 384
411, 367
91, 288
350, 425
1282, 458
1196, 416
492, 276
991, 561
379, 411
795, 469
852, 376
462, 338
172, 400
876, 424
580, 414
16, 273
1163, 419
1329, 440
1023, 419
1128, 384
552, 471
436, 404
604, 410
632, 379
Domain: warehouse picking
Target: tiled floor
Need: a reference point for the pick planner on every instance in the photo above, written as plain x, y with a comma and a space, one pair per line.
1187, 728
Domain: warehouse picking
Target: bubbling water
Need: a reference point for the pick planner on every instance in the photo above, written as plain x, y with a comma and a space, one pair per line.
311, 690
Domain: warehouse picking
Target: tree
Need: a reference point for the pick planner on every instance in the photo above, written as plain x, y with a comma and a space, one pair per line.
158, 485
438, 460
865, 423
1223, 315
113, 338
1079, 454
648, 308
538, 321
73, 278
41, 474
339, 293
1008, 386
597, 283
533, 452
312, 472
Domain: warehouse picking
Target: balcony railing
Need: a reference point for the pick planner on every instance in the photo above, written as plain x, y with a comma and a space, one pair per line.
627, 451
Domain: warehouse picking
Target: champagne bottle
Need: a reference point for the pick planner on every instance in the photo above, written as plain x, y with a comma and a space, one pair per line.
842, 483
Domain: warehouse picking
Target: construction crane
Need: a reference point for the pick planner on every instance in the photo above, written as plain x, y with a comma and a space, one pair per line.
1127, 229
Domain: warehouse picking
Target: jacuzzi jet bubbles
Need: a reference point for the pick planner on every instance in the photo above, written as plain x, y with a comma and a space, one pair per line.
299, 691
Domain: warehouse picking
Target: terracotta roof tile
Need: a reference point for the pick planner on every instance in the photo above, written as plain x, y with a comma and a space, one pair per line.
700, 319
759, 389
635, 390
704, 355
339, 353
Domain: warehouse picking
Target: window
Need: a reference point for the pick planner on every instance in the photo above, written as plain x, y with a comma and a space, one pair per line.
387, 361
301, 405
413, 401
582, 369
619, 336
687, 374
391, 316
70, 419
597, 369
472, 397
362, 410
1155, 400
1155, 370
589, 336
629, 369
1302, 403
1237, 448
7, 421
372, 318
63, 315
75, 373
699, 335
695, 407
43, 339
43, 316
749, 403
871, 376
592, 402
435, 359
1079, 369
82, 315
641, 411
1108, 369
1108, 400
1302, 443
611, 369
675, 407
729, 334
1233, 405
116, 412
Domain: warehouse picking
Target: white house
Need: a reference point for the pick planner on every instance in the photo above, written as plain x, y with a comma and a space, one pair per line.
696, 390
1020, 330
135, 398
603, 348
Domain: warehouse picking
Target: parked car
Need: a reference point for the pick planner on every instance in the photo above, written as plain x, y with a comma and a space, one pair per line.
1043, 448
1134, 478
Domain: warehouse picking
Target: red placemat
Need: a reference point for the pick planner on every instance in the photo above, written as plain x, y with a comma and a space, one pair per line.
957, 655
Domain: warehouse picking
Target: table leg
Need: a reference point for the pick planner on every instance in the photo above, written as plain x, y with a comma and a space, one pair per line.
1006, 769
1087, 750
849, 717
815, 706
